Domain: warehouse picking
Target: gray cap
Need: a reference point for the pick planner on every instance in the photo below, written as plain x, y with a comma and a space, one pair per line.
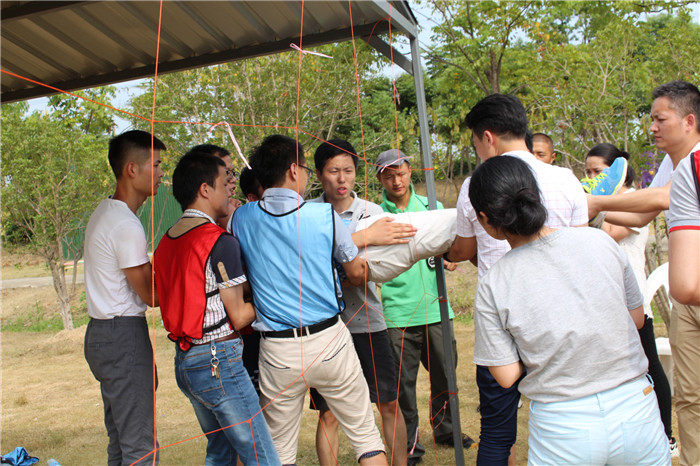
391, 158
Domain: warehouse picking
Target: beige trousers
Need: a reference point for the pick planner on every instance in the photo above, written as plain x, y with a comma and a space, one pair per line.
685, 347
326, 361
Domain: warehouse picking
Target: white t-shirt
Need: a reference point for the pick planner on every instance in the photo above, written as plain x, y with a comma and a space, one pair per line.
114, 240
562, 195
634, 246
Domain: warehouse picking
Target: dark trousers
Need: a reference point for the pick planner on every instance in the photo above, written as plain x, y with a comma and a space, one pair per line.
413, 346
121, 358
656, 371
499, 419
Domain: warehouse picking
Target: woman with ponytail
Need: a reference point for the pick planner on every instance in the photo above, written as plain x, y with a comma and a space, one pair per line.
633, 242
560, 311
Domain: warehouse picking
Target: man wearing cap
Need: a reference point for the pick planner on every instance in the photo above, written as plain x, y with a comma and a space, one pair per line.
412, 313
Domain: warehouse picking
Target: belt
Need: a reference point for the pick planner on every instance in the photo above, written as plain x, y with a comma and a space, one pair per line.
230, 336
303, 331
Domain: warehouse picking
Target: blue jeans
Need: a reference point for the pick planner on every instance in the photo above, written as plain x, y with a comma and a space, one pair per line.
227, 407
615, 427
499, 419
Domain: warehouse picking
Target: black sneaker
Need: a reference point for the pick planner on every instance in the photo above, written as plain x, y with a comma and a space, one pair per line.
467, 442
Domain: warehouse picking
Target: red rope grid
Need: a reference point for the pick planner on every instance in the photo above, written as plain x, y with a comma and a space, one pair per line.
366, 307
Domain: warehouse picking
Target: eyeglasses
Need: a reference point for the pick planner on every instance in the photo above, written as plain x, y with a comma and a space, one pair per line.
231, 174
309, 171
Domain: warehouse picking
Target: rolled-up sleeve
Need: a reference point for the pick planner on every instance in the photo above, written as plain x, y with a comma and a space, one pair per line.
344, 249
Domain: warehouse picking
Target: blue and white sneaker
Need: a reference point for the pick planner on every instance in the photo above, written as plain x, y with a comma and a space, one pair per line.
609, 181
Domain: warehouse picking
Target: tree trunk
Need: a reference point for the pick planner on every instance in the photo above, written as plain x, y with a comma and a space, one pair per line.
55, 261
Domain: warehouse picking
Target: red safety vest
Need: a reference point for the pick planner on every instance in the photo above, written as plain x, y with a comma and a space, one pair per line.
180, 280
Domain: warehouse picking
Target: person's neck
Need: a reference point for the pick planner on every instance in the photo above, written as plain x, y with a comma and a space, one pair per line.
400, 202
341, 205
517, 241
204, 207
132, 198
511, 146
683, 150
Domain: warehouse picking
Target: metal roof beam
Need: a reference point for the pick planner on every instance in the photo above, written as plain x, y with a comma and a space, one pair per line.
196, 62
396, 57
398, 20
33, 8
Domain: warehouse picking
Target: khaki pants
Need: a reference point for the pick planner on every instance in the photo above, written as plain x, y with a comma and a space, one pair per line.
326, 361
685, 346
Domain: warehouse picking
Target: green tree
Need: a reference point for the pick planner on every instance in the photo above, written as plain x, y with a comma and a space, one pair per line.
54, 173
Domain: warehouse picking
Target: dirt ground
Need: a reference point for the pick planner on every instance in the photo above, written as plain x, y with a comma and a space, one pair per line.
51, 403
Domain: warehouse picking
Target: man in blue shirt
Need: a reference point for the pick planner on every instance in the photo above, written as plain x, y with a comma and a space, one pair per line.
291, 249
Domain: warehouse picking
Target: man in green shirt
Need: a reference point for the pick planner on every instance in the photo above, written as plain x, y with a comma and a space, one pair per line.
412, 313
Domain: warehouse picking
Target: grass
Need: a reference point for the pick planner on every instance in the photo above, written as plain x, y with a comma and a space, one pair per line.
51, 403
56, 412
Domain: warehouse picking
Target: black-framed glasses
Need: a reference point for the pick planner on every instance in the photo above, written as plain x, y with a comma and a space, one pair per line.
309, 171
231, 174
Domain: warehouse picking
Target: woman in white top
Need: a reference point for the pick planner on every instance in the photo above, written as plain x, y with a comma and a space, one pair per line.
633, 242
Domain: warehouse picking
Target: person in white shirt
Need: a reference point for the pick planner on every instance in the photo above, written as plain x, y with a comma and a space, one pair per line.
499, 126
118, 288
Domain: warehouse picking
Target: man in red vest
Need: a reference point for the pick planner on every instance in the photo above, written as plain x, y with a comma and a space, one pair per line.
201, 286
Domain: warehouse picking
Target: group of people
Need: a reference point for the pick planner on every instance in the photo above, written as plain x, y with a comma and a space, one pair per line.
270, 299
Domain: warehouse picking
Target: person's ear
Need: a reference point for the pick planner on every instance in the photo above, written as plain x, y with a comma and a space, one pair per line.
204, 190
131, 169
488, 137
690, 122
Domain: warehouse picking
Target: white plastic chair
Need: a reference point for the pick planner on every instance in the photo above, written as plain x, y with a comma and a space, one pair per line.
656, 280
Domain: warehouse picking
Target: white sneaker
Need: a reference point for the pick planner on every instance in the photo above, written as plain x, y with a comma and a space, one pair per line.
674, 447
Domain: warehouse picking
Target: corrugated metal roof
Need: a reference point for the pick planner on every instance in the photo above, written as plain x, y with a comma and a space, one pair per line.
73, 45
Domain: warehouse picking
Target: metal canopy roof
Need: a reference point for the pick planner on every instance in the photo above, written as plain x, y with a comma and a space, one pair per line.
78, 44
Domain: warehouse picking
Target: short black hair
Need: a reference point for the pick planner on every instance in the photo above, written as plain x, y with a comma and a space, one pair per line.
272, 158
131, 146
505, 190
502, 114
211, 149
194, 169
684, 97
544, 138
609, 153
330, 149
528, 140
248, 183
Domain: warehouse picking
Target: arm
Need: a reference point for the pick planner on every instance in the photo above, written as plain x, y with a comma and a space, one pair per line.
630, 219
642, 201
356, 270
384, 232
616, 232
507, 375
141, 280
240, 312
463, 249
449, 266
637, 315
684, 266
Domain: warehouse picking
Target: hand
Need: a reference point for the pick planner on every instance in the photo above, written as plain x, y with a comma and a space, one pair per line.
449, 266
593, 207
385, 231
233, 204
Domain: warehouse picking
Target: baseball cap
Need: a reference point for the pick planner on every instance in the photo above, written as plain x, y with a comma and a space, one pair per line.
391, 158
